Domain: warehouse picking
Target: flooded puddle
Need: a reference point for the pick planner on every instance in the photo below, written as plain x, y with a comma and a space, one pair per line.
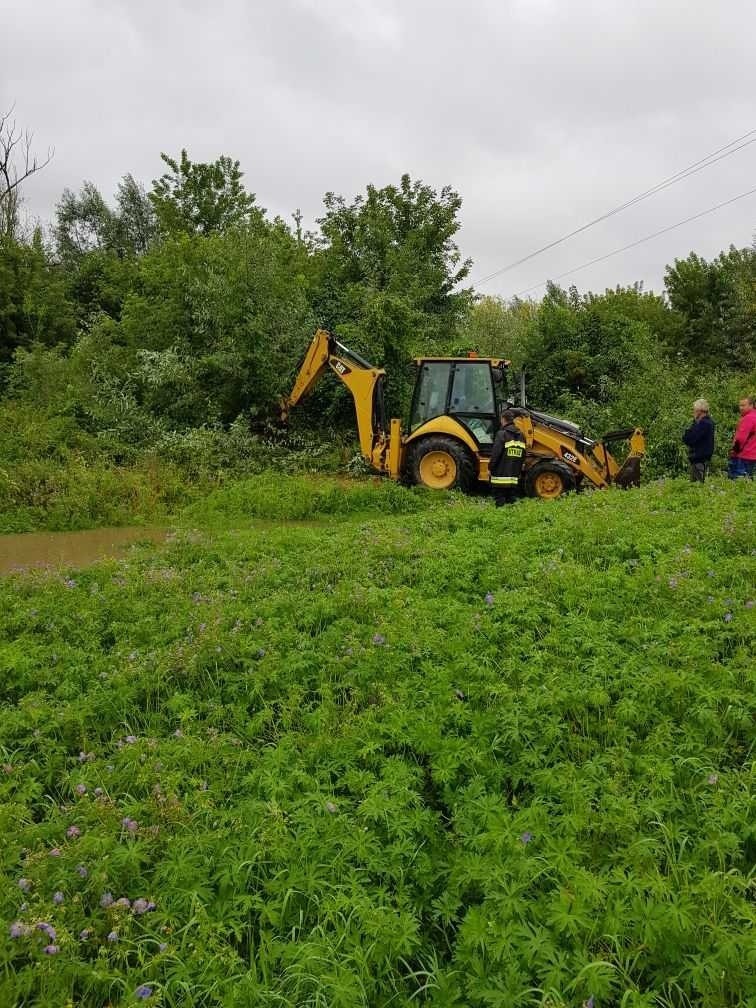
34, 550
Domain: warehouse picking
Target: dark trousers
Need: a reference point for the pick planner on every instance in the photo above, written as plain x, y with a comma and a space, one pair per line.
698, 471
738, 467
504, 495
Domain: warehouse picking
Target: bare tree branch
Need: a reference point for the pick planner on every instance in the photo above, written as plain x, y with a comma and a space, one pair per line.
17, 163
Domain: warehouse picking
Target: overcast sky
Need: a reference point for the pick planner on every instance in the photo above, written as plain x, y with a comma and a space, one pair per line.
542, 114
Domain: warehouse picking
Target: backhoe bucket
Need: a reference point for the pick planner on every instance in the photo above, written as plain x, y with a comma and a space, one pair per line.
629, 474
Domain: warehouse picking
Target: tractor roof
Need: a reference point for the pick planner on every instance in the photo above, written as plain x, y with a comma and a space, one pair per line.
493, 361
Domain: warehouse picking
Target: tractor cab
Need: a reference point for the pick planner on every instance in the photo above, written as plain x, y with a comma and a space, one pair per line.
470, 389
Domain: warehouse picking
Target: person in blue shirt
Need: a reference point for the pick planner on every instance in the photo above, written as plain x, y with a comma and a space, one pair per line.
699, 438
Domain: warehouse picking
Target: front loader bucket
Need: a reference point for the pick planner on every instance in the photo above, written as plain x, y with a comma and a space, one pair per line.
629, 474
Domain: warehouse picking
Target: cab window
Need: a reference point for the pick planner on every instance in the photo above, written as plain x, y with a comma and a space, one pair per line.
472, 389
430, 392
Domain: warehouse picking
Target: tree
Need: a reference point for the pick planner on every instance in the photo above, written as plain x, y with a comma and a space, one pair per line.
85, 223
214, 323
198, 198
387, 269
585, 346
34, 305
718, 303
494, 328
17, 163
97, 244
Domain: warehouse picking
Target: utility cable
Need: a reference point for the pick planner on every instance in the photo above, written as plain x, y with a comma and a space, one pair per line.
692, 169
640, 241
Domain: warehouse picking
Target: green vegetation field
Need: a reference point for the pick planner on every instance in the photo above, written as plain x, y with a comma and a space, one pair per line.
401, 750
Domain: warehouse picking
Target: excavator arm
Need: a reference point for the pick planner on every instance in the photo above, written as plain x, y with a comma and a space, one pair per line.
364, 381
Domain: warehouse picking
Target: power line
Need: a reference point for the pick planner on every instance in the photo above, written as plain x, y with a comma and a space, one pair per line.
692, 169
640, 241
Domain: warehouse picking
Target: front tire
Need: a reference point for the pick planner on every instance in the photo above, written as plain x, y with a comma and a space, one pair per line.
549, 480
441, 463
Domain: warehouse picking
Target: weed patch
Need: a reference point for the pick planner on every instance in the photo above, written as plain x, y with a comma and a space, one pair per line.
434, 754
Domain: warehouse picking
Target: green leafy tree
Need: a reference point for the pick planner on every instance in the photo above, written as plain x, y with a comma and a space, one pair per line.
85, 223
717, 301
387, 268
584, 346
201, 198
34, 305
97, 245
214, 322
495, 328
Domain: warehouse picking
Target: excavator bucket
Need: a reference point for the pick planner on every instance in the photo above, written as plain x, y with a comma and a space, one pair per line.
629, 474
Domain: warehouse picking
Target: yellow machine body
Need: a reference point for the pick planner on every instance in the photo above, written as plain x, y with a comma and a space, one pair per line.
443, 451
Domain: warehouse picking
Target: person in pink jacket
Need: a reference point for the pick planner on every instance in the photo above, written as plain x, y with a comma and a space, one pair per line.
743, 452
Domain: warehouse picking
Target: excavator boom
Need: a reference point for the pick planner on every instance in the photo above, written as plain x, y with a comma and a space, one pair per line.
364, 381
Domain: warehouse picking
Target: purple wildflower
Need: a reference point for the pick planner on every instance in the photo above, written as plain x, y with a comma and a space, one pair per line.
24, 884
130, 824
86, 757
330, 807
143, 992
81, 789
489, 600
123, 902
48, 929
55, 852
378, 639
162, 946
526, 837
178, 733
81, 871
113, 937
98, 792
131, 739
58, 898
673, 582
712, 779
19, 930
151, 906
727, 617
106, 900
261, 652
86, 933
139, 906
72, 832
589, 1002
51, 950
69, 583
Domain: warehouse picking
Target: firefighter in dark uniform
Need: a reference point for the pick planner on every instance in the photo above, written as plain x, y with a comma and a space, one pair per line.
506, 462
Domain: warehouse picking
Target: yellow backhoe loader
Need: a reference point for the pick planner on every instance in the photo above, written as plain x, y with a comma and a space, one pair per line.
453, 421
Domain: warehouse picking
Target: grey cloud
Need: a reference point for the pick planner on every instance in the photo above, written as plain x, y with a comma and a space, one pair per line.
543, 114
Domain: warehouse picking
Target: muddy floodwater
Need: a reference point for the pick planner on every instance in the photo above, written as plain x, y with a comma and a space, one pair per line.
35, 550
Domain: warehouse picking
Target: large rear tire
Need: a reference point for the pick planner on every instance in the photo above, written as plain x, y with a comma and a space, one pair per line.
441, 463
549, 480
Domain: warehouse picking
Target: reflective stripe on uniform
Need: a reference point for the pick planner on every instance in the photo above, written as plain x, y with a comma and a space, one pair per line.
504, 480
508, 444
